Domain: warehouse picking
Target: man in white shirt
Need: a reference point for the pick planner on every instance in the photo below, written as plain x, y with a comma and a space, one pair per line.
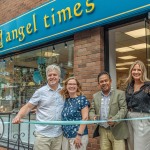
49, 104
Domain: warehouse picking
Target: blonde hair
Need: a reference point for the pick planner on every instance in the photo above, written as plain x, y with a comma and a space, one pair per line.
53, 67
143, 69
64, 92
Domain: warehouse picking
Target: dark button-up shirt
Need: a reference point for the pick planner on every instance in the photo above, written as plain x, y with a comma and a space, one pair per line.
138, 101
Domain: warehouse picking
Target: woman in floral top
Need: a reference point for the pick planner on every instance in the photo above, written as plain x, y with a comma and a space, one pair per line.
76, 108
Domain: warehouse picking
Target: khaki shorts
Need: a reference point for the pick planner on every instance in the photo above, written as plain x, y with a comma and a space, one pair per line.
47, 143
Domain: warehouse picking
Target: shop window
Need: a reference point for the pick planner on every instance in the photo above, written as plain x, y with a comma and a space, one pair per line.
21, 75
127, 44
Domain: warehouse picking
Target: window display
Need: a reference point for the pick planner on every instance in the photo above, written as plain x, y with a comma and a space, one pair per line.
21, 75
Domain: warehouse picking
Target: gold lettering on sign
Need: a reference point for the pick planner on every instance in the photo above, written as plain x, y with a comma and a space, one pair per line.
76, 8
90, 5
1, 40
63, 13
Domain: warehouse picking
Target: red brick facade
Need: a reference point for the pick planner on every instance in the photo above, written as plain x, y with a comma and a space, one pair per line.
88, 58
88, 52
88, 62
11, 9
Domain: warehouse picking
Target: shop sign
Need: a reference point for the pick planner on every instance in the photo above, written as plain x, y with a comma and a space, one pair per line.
60, 18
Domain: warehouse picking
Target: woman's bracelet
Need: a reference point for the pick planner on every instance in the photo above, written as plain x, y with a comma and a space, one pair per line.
79, 134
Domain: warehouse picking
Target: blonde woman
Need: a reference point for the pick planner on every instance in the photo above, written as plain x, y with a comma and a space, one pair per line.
138, 102
76, 108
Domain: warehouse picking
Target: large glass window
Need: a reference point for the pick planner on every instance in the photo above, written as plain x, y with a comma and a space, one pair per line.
127, 44
21, 75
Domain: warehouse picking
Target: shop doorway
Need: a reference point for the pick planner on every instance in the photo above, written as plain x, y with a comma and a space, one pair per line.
147, 26
128, 43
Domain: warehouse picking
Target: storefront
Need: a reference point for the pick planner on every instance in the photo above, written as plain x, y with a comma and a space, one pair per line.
83, 38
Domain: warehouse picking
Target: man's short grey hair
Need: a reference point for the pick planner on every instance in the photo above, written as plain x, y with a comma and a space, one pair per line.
53, 67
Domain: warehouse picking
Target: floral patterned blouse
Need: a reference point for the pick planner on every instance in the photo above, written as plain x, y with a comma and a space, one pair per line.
72, 112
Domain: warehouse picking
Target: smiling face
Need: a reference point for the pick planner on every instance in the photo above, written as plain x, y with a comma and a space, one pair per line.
105, 83
136, 72
72, 86
53, 78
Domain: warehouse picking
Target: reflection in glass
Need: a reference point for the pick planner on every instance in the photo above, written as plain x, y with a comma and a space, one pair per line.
21, 75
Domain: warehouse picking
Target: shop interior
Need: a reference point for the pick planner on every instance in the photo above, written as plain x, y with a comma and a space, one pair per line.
128, 43
22, 74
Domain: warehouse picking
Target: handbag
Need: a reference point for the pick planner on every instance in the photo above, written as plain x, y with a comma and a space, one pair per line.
96, 132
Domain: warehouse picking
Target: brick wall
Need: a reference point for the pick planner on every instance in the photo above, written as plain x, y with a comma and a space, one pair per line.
88, 62
13, 8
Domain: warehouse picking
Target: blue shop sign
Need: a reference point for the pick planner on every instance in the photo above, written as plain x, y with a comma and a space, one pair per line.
60, 18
